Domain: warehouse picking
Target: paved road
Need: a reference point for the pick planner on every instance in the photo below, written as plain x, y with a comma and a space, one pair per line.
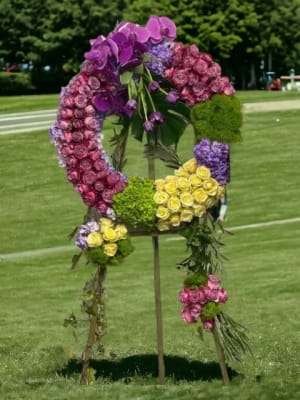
38, 120
26, 122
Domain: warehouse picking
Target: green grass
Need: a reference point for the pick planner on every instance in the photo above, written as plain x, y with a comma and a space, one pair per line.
10, 104
39, 208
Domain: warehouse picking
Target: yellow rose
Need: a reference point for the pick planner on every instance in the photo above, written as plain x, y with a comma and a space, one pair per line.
190, 166
171, 178
195, 180
210, 185
220, 192
199, 210
174, 204
110, 249
159, 184
171, 188
210, 201
110, 235
162, 213
105, 223
181, 172
183, 183
121, 231
187, 199
160, 197
174, 220
186, 215
163, 226
203, 172
94, 239
199, 195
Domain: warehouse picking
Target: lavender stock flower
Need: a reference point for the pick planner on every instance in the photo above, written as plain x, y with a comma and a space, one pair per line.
215, 156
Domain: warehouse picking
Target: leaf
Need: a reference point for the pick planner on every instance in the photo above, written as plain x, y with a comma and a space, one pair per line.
137, 128
75, 259
126, 77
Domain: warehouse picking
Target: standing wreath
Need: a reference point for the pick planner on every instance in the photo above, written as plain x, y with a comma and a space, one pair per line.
156, 86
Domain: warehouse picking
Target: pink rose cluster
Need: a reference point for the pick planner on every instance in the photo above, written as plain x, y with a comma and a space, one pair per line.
195, 75
203, 302
76, 137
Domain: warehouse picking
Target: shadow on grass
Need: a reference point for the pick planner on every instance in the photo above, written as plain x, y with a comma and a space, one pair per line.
177, 368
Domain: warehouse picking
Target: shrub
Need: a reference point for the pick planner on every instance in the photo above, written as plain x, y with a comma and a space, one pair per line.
14, 83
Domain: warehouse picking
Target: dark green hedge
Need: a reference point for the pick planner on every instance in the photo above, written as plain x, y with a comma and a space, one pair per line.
14, 83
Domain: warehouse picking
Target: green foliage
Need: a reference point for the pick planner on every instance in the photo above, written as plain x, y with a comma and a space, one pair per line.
14, 83
210, 310
195, 280
96, 255
135, 205
219, 118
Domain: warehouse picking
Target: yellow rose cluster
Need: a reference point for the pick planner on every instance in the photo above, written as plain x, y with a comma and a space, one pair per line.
185, 195
107, 237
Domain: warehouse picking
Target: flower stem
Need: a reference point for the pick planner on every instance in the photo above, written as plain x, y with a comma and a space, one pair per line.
221, 356
95, 332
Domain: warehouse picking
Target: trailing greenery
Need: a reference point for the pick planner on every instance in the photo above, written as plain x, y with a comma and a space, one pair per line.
219, 118
135, 205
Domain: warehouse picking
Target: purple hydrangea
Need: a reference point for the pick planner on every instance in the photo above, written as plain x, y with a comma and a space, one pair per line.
160, 56
215, 156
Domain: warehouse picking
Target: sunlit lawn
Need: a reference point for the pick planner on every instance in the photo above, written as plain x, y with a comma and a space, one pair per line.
39, 208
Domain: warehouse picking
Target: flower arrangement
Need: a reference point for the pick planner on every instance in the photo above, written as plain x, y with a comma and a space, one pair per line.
185, 195
202, 297
156, 87
104, 242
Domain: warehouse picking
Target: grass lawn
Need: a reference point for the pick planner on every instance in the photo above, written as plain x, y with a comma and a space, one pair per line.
39, 208
11, 104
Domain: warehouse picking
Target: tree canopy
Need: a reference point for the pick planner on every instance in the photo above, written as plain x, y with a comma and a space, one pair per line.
239, 34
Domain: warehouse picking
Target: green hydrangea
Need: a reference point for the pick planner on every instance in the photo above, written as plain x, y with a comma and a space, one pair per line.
210, 310
219, 118
194, 281
135, 205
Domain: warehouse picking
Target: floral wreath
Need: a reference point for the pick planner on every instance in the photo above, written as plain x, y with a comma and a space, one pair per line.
156, 86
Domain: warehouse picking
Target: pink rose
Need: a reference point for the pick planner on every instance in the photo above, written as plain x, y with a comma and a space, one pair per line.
211, 294
213, 282
112, 179
102, 207
86, 91
188, 61
94, 83
180, 78
79, 113
194, 296
208, 324
184, 296
81, 101
80, 151
77, 136
67, 151
89, 134
99, 186
77, 123
67, 101
187, 316
222, 295
66, 113
214, 71
73, 176
85, 164
81, 188
91, 123
67, 137
193, 51
107, 196
101, 165
89, 177
89, 110
63, 125
89, 198
168, 73
200, 67
71, 161
201, 296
